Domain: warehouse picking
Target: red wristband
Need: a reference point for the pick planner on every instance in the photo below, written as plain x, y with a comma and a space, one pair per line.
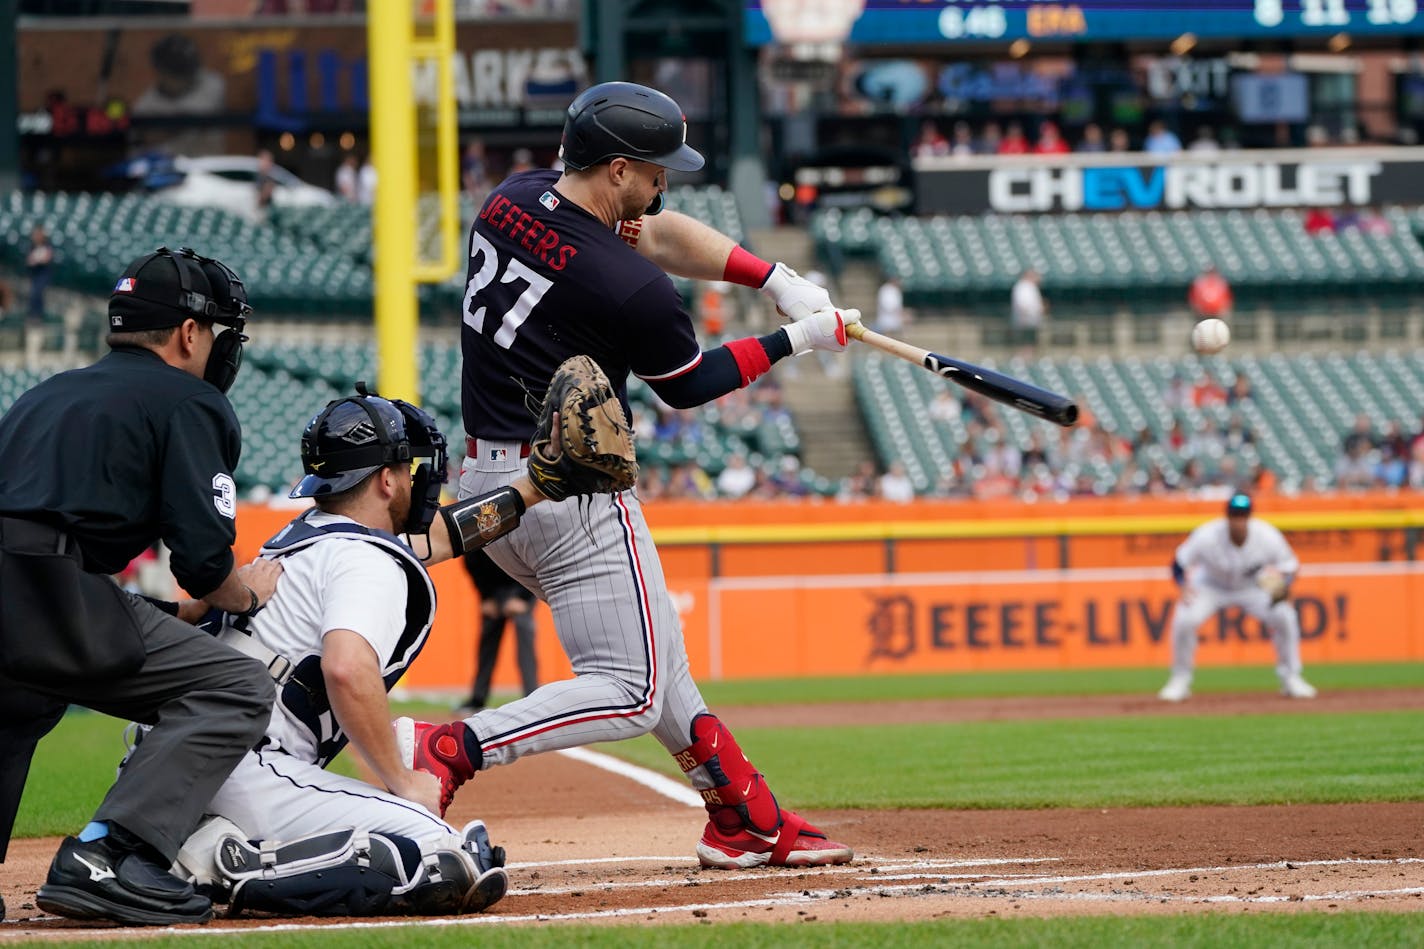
745, 268
750, 356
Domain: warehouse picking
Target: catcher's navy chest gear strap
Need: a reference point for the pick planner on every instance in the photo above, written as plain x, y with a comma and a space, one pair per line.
303, 689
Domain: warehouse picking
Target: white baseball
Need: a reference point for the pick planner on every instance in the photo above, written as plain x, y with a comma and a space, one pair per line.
1210, 336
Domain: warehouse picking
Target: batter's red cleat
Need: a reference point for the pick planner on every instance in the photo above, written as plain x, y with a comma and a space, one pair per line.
796, 844
437, 750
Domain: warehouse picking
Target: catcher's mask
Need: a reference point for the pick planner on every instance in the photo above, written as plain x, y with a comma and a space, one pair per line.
148, 296
354, 437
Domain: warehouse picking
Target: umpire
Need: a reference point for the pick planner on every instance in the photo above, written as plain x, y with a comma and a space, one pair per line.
97, 464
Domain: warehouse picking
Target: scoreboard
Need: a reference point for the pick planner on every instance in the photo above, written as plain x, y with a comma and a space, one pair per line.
941, 21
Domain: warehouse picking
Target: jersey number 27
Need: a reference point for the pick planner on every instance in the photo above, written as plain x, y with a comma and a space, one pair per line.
483, 275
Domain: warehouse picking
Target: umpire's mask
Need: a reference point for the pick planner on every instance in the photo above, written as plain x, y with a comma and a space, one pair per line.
230, 295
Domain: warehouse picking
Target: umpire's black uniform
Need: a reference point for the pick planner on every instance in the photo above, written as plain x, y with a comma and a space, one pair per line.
97, 464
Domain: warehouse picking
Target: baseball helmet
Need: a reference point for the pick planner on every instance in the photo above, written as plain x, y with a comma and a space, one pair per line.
626, 120
356, 436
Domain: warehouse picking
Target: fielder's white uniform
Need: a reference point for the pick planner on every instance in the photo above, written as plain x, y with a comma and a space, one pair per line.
281, 790
1218, 573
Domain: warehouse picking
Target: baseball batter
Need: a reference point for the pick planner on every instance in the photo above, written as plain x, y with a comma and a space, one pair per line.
578, 263
1236, 560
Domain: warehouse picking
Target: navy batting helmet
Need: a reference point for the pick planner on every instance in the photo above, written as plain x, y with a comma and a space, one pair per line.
356, 436
626, 120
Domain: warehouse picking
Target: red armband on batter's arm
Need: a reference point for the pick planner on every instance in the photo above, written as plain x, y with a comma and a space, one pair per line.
745, 268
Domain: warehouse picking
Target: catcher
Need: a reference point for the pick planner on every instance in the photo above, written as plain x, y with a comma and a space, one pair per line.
1236, 561
286, 836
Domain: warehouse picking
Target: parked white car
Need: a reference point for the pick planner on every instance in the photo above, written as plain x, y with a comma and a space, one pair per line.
230, 182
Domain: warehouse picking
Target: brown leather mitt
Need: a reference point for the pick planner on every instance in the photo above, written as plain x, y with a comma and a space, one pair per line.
594, 453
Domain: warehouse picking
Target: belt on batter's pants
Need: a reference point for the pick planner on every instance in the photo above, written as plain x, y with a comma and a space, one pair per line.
472, 447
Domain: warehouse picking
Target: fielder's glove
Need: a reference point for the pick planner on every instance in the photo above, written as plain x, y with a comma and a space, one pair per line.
1274, 583
793, 294
593, 453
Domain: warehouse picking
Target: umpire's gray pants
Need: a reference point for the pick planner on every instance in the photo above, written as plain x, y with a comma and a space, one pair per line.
208, 704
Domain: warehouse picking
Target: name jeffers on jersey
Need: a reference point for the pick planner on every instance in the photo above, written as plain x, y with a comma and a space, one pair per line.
539, 239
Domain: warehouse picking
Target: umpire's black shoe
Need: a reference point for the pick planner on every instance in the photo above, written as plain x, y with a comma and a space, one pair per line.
103, 880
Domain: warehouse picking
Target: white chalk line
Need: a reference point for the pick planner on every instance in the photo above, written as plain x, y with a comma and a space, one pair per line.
803, 897
652, 780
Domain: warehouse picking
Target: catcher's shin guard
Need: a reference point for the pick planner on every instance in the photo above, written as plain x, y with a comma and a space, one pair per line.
339, 873
746, 826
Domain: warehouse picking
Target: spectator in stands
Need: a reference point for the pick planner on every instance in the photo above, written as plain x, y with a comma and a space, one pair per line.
1050, 142
348, 175
39, 267
860, 484
945, 408
963, 144
1362, 434
1205, 142
366, 183
1013, 142
1118, 141
1092, 140
1161, 140
1240, 390
1236, 435
652, 483
1319, 221
1393, 442
1210, 295
1355, 470
891, 317
1416, 465
266, 182
689, 481
522, 160
737, 478
1207, 391
1027, 308
931, 143
786, 481
712, 309
474, 171
990, 138
895, 485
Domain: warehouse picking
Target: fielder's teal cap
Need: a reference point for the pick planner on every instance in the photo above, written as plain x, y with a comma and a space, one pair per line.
1239, 504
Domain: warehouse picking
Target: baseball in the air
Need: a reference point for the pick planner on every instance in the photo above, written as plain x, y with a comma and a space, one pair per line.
1210, 336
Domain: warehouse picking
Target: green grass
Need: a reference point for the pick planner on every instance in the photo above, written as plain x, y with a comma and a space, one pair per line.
1101, 762
1050, 682
1215, 930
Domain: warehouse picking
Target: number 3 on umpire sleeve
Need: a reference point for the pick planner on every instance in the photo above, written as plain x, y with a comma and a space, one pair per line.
483, 275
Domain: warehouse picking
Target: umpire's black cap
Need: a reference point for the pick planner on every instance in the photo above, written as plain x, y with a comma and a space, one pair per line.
159, 290
626, 120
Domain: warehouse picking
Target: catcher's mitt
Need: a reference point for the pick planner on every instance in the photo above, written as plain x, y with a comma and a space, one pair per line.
595, 451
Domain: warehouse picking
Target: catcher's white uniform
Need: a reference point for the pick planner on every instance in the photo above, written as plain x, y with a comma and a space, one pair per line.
1218, 573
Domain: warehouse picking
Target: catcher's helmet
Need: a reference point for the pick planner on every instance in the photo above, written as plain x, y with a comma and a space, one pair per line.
353, 437
623, 119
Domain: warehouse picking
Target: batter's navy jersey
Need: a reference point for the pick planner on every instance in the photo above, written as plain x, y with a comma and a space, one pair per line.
547, 281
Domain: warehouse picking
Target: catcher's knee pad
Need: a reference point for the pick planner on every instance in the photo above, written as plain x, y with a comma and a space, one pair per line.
739, 796
197, 858
462, 874
339, 873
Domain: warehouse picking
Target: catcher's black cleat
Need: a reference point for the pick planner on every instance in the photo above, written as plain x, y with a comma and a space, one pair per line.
104, 879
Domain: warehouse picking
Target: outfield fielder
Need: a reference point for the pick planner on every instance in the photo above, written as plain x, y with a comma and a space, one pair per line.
1242, 561
576, 264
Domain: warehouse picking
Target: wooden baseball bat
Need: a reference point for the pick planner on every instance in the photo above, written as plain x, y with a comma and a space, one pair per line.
1001, 388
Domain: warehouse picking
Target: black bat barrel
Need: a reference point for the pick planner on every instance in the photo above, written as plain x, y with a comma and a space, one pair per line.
1021, 395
